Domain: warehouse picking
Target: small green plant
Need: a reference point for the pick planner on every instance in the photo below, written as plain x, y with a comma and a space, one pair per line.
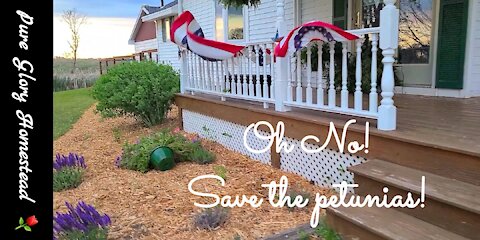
137, 156
201, 156
211, 218
221, 171
144, 90
117, 135
302, 235
326, 232
237, 237
293, 193
67, 178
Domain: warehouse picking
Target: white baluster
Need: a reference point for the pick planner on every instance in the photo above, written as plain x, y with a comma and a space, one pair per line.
309, 74
250, 75
233, 87
387, 112
202, 72
217, 77
245, 74
225, 76
258, 87
373, 102
265, 82
194, 74
223, 70
331, 90
358, 77
240, 80
209, 76
320, 74
289, 74
298, 94
344, 92
273, 74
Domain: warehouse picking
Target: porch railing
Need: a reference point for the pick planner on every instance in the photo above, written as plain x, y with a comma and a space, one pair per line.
248, 76
291, 82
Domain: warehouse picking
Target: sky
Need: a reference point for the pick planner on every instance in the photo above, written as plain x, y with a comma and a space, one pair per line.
108, 28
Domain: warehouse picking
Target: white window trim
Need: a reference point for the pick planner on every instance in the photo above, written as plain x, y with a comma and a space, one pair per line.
246, 37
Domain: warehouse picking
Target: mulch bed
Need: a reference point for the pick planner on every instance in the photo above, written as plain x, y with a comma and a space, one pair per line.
158, 205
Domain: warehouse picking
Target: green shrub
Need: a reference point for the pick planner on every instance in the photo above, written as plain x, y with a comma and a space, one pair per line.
67, 178
142, 89
137, 156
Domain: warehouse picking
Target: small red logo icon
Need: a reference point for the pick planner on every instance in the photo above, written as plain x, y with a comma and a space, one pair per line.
26, 225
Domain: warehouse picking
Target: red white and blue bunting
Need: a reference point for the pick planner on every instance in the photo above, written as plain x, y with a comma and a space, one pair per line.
300, 36
187, 33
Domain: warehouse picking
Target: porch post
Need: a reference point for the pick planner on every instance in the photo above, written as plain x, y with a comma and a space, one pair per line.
387, 112
183, 58
281, 63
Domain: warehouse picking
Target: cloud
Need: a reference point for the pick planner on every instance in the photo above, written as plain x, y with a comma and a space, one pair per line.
100, 37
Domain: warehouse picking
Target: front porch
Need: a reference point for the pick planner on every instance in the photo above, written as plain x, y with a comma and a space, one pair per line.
434, 134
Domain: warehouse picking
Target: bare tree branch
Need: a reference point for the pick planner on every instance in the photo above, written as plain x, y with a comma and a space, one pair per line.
74, 21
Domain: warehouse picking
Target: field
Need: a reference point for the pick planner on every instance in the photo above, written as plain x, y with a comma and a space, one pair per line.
68, 106
85, 74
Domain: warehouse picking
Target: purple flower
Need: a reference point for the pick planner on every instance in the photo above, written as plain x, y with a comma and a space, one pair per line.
72, 160
81, 218
118, 161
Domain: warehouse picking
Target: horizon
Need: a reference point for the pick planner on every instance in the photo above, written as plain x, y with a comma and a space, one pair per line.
108, 28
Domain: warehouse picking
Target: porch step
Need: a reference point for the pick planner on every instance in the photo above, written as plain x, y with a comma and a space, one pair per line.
449, 203
382, 223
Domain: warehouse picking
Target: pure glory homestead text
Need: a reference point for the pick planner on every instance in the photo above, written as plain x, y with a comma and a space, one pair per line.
25, 69
277, 193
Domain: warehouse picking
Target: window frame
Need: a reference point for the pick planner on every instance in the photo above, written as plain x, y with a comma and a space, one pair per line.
225, 24
165, 35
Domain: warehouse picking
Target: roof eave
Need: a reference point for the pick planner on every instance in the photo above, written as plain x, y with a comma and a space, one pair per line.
171, 11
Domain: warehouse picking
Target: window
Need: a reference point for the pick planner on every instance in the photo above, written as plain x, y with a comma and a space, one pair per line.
166, 25
229, 23
415, 31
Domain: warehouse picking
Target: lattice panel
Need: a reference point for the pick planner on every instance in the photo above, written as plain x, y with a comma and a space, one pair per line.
226, 133
324, 168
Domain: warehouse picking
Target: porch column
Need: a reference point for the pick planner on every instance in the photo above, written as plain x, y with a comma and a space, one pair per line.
387, 112
281, 63
183, 58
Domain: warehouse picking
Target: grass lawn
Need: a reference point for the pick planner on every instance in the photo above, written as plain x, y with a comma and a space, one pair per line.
68, 106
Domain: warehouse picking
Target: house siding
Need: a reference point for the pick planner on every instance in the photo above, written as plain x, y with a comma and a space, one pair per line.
204, 12
262, 20
316, 10
168, 51
145, 45
472, 62
145, 32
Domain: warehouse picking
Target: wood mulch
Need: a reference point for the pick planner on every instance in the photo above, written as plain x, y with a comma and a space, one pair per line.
158, 205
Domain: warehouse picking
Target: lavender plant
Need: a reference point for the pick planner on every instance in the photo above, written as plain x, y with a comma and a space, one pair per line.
72, 160
80, 222
211, 218
68, 171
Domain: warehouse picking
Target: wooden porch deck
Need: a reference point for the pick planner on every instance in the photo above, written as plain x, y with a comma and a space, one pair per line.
440, 122
435, 134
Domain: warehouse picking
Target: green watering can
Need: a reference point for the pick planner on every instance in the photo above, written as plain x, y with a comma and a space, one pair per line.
161, 158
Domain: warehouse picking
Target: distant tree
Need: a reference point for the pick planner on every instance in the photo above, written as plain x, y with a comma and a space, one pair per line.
74, 21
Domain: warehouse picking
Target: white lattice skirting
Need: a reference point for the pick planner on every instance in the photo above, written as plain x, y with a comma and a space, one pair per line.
324, 168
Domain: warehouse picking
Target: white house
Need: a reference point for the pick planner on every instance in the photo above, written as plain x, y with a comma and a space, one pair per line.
439, 41
431, 46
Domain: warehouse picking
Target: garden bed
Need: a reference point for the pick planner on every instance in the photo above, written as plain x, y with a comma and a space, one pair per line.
158, 205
